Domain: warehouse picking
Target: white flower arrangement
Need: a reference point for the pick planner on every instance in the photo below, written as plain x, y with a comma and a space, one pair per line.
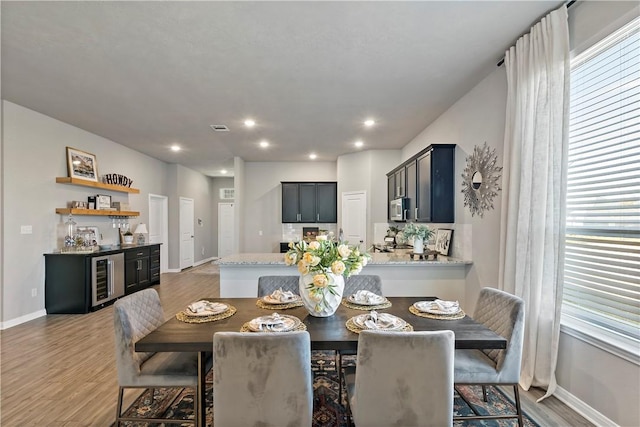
320, 257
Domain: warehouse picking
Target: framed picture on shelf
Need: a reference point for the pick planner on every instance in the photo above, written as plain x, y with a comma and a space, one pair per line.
443, 241
81, 164
103, 202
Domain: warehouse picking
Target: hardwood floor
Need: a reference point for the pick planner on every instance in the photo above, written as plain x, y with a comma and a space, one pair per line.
59, 370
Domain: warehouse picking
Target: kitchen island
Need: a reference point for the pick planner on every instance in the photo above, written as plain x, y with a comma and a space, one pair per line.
401, 276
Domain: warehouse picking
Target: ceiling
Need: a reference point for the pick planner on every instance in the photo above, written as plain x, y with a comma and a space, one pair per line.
151, 74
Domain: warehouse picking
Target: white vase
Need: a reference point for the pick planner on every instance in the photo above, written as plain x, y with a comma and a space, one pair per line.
418, 245
322, 307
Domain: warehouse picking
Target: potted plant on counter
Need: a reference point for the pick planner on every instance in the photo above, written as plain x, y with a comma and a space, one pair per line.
127, 237
419, 233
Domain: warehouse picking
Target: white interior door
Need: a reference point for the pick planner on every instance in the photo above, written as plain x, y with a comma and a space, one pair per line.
159, 227
225, 229
187, 241
354, 218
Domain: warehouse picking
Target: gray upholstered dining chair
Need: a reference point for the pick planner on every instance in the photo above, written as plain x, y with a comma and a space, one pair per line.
503, 313
268, 284
135, 316
262, 379
402, 379
367, 282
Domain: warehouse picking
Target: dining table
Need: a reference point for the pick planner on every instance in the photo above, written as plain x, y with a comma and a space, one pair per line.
326, 333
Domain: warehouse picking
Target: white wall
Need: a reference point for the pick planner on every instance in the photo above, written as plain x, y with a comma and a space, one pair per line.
367, 171
218, 183
263, 198
33, 156
477, 117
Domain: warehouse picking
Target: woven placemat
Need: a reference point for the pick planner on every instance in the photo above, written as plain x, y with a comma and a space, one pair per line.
260, 303
458, 315
185, 317
300, 327
354, 328
355, 306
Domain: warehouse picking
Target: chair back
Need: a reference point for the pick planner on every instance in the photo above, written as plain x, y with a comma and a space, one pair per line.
503, 313
268, 284
367, 282
134, 316
404, 379
262, 379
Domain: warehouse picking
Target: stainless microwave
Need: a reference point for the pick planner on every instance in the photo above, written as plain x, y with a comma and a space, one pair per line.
398, 209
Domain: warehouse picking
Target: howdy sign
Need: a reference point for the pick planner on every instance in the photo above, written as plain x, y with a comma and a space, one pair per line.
117, 179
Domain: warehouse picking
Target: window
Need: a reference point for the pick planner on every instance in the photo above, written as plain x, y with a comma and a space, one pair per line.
602, 259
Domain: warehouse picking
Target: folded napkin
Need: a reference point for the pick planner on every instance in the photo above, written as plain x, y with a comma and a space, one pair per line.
266, 322
366, 297
283, 296
204, 305
449, 307
375, 320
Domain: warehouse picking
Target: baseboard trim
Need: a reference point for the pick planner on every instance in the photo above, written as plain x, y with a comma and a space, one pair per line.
583, 408
22, 319
173, 270
204, 261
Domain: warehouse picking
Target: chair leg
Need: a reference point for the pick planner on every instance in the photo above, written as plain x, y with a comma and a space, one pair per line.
516, 396
119, 405
196, 410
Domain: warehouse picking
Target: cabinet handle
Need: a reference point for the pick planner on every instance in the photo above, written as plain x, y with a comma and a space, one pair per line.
139, 265
404, 214
318, 217
416, 214
112, 273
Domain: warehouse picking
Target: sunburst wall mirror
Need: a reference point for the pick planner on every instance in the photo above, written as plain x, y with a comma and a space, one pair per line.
480, 179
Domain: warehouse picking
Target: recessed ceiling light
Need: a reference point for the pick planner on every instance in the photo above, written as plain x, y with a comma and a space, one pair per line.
249, 123
264, 143
312, 156
358, 144
369, 122
175, 147
223, 171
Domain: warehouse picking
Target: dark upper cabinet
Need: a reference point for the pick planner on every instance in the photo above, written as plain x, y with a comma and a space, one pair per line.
309, 202
326, 202
411, 192
429, 182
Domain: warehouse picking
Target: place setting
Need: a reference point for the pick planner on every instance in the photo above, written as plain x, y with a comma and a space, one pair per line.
366, 300
438, 309
205, 311
274, 323
280, 300
375, 321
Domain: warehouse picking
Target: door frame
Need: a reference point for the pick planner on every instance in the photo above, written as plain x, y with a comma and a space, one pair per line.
164, 227
366, 209
180, 231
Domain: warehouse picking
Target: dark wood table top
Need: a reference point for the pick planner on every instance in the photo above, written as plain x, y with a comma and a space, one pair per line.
327, 333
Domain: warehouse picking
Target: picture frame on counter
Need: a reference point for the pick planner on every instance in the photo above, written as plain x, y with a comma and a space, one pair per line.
82, 165
443, 241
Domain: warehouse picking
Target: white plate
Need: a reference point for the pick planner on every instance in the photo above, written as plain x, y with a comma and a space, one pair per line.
271, 300
281, 323
429, 307
372, 301
212, 309
395, 323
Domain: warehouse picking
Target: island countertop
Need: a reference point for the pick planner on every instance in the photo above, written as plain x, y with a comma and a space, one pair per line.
379, 259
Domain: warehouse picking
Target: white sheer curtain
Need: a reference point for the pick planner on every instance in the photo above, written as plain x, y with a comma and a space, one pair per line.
532, 222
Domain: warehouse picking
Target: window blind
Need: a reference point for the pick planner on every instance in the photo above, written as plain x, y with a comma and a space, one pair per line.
602, 247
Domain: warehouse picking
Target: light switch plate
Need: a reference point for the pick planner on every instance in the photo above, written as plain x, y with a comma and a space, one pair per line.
26, 229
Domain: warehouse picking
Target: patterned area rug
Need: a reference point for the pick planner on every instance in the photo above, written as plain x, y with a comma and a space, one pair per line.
328, 409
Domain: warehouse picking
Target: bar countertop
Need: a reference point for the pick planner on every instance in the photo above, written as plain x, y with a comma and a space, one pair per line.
397, 258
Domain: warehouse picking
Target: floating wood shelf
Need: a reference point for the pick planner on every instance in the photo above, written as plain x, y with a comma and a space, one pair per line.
95, 212
94, 184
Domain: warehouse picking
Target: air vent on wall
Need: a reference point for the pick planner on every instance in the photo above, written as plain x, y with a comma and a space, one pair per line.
227, 193
220, 128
